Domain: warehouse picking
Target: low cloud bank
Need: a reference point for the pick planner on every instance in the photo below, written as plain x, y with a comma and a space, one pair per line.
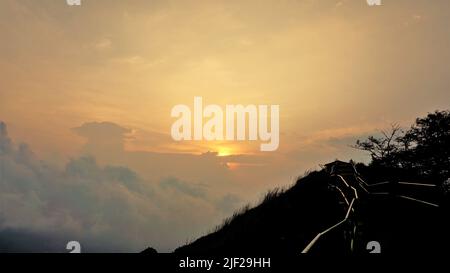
106, 208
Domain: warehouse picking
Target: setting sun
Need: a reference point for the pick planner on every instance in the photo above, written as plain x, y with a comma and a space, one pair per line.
224, 151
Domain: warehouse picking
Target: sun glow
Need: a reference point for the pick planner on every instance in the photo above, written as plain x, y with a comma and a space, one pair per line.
224, 151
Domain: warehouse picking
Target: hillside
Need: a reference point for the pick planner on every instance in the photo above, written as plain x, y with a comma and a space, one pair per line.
401, 217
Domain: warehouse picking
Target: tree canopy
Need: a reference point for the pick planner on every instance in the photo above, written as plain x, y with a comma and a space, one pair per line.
424, 148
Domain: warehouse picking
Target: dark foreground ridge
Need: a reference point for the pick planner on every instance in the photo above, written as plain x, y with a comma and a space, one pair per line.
342, 209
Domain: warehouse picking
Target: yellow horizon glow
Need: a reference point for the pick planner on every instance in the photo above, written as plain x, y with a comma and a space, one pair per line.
224, 151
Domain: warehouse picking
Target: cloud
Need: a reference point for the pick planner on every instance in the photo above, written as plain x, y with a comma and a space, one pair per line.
229, 203
96, 130
103, 137
193, 190
5, 141
20, 241
105, 207
102, 44
107, 142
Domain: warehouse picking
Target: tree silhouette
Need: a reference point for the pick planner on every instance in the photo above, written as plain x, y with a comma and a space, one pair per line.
424, 148
430, 139
382, 149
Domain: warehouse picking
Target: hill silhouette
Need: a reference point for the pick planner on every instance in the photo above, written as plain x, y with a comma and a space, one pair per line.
283, 221
397, 204
287, 221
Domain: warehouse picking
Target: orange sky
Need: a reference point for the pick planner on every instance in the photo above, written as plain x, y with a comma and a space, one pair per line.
339, 70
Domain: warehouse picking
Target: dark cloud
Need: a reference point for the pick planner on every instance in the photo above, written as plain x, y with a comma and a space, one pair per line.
189, 189
25, 241
107, 208
229, 203
96, 130
102, 137
5, 141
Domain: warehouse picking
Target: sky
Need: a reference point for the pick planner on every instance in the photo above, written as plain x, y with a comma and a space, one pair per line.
86, 94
